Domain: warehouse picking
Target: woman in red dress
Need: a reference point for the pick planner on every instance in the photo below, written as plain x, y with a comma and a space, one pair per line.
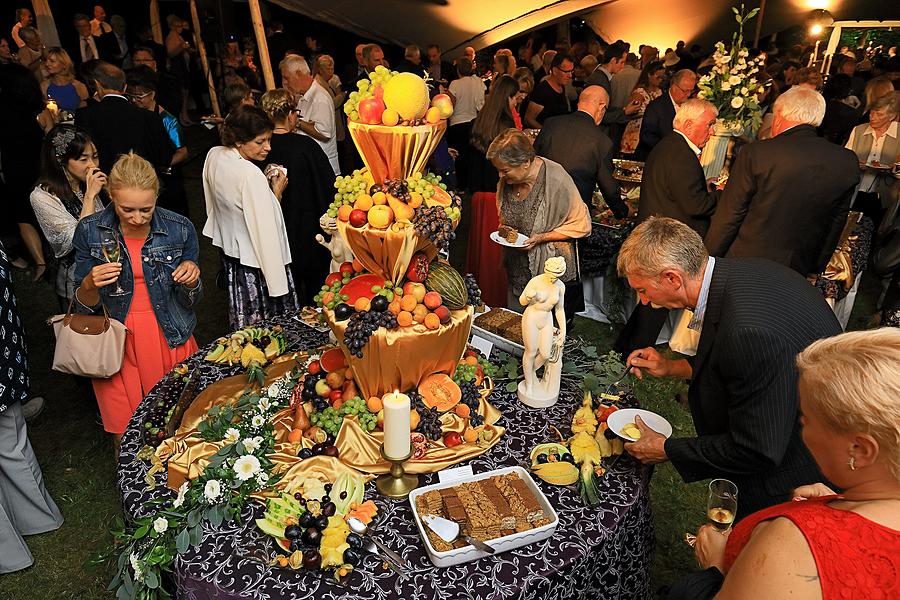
151, 286
827, 545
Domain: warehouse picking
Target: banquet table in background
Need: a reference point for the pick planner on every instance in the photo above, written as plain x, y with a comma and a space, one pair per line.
601, 552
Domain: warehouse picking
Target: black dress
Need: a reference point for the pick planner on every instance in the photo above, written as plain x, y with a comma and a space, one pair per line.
309, 191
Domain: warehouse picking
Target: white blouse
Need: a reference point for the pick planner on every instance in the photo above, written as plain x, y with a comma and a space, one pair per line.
243, 216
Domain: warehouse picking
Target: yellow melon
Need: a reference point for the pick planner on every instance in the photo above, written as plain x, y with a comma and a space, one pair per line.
407, 94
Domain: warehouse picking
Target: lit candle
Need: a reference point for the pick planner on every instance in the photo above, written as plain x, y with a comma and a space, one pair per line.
396, 424
51, 106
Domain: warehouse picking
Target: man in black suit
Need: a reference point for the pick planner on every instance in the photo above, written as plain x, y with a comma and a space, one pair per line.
754, 316
674, 186
787, 198
576, 142
439, 69
117, 126
616, 116
357, 71
92, 47
658, 116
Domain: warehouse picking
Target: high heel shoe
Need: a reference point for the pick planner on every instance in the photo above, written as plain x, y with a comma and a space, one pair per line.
39, 271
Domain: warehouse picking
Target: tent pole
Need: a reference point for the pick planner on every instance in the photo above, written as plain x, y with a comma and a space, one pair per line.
44, 23
155, 26
759, 20
198, 39
261, 44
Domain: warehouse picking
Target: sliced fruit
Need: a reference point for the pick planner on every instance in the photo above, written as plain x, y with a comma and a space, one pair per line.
361, 287
333, 360
440, 391
549, 448
557, 473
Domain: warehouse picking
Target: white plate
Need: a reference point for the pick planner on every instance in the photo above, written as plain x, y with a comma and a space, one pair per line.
502, 544
520, 241
622, 417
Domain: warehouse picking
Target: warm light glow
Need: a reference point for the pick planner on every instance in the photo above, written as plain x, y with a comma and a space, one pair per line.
814, 4
815, 29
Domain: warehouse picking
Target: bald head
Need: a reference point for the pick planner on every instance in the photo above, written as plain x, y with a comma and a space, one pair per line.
593, 101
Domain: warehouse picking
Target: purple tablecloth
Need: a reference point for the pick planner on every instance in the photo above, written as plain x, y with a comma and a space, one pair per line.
602, 552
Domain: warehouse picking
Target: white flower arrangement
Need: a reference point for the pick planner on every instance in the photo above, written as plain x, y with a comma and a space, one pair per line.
212, 490
253, 444
160, 524
231, 436
246, 467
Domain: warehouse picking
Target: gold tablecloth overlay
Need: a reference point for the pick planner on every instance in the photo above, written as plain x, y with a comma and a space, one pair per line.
395, 152
399, 359
359, 451
383, 252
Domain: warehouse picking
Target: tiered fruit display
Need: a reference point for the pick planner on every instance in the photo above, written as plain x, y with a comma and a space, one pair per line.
391, 98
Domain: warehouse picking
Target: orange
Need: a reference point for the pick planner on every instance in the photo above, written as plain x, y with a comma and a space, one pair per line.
363, 202
379, 198
408, 303
463, 410
415, 200
413, 419
362, 304
357, 266
295, 435
374, 404
404, 318
344, 212
394, 306
470, 435
470, 360
327, 297
432, 321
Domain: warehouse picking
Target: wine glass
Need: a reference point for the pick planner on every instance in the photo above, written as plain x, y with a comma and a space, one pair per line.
721, 505
112, 252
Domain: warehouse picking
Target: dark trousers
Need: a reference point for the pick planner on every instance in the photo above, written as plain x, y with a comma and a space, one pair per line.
641, 330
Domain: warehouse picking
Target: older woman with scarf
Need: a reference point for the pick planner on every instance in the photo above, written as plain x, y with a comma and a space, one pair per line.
538, 198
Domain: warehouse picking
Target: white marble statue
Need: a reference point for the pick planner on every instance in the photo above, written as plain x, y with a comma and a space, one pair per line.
543, 298
340, 251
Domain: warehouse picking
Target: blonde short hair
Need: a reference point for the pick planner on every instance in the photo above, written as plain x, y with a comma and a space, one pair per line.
63, 57
852, 382
278, 104
661, 243
132, 172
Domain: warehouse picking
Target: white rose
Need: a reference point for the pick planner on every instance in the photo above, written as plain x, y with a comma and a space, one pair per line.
160, 524
231, 436
257, 421
252, 444
246, 467
734, 80
274, 389
181, 492
134, 561
726, 86
264, 403
737, 102
212, 490
745, 91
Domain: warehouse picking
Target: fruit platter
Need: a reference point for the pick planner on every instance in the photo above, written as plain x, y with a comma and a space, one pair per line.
251, 347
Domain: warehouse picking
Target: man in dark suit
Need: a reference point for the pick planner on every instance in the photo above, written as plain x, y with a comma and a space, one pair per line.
439, 69
754, 316
658, 116
89, 46
616, 116
787, 198
117, 126
576, 142
674, 186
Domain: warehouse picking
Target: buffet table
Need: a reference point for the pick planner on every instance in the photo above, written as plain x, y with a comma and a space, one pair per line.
602, 552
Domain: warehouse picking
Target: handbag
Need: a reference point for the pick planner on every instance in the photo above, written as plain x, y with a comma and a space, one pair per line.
88, 345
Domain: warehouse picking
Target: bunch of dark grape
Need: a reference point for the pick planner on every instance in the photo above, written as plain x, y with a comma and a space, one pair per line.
476, 420
361, 327
432, 222
430, 423
416, 401
308, 393
473, 290
158, 416
471, 396
398, 188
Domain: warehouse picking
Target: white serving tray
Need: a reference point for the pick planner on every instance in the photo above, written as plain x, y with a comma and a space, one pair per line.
499, 341
501, 544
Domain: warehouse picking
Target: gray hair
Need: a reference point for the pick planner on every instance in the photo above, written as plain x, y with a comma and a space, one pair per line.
691, 110
411, 51
511, 147
801, 105
293, 63
890, 103
661, 243
683, 74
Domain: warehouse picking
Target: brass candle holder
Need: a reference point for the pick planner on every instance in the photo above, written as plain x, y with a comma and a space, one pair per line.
397, 483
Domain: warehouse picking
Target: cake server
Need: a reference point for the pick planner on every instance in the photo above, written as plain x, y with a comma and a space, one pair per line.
449, 531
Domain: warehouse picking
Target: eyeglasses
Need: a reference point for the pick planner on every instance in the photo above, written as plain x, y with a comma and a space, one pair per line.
138, 97
566, 71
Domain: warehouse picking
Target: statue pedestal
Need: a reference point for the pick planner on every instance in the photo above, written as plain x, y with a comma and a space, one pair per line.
538, 398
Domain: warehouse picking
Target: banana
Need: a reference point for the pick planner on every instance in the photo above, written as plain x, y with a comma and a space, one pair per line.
225, 356
557, 473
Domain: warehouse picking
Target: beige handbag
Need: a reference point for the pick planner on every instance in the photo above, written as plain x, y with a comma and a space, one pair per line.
88, 345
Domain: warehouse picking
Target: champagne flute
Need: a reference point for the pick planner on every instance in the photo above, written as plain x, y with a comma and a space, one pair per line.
112, 252
721, 505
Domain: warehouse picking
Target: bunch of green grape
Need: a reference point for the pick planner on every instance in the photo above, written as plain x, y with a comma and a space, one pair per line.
365, 88
387, 290
329, 419
435, 180
357, 406
453, 212
347, 189
337, 298
418, 183
464, 373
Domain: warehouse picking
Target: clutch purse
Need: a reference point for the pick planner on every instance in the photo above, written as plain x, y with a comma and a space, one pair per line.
88, 345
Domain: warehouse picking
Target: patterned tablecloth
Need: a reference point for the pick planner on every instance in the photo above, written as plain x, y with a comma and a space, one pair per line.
602, 552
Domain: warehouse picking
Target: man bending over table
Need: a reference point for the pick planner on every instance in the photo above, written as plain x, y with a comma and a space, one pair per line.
754, 316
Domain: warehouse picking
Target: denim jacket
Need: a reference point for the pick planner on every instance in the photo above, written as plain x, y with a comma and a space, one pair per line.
172, 240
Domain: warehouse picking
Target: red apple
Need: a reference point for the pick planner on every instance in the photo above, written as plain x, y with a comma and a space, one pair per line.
332, 278
444, 104
358, 218
313, 367
335, 395
347, 268
370, 111
452, 438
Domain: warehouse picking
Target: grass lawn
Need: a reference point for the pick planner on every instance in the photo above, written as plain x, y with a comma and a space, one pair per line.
76, 455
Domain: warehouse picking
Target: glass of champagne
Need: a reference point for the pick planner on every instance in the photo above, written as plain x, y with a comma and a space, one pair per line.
112, 252
721, 505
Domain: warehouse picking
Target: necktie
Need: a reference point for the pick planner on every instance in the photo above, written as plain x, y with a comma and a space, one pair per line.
88, 50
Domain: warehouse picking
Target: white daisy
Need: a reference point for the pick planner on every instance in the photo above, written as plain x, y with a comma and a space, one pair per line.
737, 102
246, 467
160, 524
231, 436
257, 421
212, 490
253, 444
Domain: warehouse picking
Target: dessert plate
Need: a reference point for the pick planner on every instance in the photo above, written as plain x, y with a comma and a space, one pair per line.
622, 417
520, 241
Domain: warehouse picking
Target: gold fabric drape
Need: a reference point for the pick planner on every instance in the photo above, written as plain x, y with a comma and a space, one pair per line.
384, 252
395, 152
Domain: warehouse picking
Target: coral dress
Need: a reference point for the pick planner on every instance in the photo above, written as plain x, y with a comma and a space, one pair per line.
856, 558
147, 354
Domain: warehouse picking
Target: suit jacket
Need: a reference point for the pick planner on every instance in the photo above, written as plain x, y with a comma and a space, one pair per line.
107, 49
585, 152
614, 114
674, 185
657, 124
743, 394
119, 126
786, 200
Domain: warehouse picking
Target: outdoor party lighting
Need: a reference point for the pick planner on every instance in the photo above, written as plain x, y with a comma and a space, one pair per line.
818, 20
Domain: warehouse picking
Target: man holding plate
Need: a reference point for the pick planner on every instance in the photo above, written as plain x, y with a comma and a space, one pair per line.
754, 316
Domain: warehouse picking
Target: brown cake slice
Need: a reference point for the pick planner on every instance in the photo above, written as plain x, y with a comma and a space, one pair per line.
493, 494
508, 233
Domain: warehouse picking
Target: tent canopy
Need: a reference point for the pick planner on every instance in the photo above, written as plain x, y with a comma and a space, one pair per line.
454, 24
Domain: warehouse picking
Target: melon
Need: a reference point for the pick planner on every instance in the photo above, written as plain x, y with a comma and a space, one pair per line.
440, 197
407, 94
440, 392
333, 360
361, 287
446, 281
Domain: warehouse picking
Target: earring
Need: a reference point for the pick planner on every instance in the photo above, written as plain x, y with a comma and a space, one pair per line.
852, 463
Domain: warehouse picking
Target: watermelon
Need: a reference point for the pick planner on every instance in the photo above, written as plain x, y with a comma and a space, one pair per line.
333, 360
446, 281
361, 287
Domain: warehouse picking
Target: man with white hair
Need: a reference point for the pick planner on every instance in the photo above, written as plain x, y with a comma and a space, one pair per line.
657, 120
787, 198
315, 107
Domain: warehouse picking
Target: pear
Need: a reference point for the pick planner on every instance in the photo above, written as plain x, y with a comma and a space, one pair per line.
402, 211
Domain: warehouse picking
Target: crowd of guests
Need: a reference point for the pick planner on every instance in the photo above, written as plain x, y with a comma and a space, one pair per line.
533, 134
